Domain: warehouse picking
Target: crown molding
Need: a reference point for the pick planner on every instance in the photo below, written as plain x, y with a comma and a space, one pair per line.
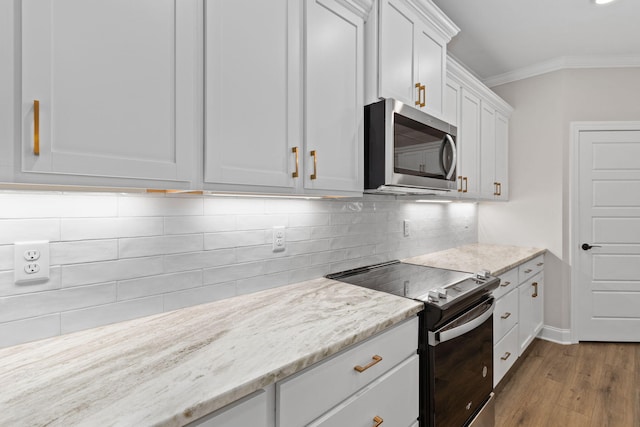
361, 8
457, 71
436, 18
563, 63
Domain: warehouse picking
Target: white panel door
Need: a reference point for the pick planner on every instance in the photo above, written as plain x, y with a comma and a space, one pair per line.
608, 282
396, 72
468, 144
430, 56
451, 103
252, 107
334, 98
115, 85
487, 150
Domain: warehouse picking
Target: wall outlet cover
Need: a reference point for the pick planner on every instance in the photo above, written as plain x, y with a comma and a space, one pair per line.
31, 261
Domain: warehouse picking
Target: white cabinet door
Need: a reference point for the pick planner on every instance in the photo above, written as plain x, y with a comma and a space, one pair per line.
430, 59
537, 311
502, 156
114, 81
488, 187
334, 98
252, 107
525, 320
412, 61
396, 69
451, 103
468, 144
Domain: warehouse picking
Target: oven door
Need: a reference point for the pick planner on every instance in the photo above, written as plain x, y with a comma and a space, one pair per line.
461, 365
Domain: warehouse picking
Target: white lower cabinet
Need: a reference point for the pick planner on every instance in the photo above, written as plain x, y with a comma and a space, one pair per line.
340, 381
255, 410
392, 399
518, 314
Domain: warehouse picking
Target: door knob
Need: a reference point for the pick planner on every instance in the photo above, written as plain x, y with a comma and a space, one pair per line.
586, 246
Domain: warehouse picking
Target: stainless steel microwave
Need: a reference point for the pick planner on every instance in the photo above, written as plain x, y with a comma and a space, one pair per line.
407, 151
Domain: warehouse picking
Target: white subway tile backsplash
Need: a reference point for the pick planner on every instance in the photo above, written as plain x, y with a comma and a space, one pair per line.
9, 287
83, 251
41, 303
149, 246
109, 228
36, 328
85, 274
24, 230
199, 224
186, 298
120, 256
256, 222
260, 283
155, 285
77, 320
6, 257
159, 205
197, 260
56, 205
237, 239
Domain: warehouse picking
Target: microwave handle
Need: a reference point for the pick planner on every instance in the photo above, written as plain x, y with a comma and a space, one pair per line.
452, 167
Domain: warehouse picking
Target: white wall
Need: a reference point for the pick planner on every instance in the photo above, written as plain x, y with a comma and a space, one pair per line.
120, 256
539, 162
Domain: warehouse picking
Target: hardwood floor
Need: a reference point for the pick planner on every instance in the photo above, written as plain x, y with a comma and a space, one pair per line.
585, 385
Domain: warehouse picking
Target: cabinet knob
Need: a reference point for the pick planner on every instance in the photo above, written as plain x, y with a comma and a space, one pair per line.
506, 315
506, 356
505, 284
535, 290
378, 421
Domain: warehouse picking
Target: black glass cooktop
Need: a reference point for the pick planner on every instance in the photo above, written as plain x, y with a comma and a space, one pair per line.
432, 285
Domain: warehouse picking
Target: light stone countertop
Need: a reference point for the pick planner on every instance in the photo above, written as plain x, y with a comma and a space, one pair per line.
173, 368
475, 257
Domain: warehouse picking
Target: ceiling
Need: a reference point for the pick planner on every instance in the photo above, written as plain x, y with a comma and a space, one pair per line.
505, 40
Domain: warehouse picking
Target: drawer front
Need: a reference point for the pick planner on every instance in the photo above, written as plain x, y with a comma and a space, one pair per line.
530, 268
505, 315
392, 398
310, 393
505, 353
253, 410
508, 282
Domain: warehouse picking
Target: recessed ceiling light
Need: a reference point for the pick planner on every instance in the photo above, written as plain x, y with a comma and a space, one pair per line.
603, 1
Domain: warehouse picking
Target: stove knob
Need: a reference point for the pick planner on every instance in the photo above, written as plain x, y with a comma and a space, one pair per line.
434, 296
442, 293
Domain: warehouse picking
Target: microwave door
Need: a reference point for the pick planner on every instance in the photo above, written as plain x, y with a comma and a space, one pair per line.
448, 157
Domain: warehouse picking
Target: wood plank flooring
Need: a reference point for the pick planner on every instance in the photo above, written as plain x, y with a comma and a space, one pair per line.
582, 385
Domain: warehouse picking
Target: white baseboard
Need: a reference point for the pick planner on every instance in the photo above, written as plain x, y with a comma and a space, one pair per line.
560, 336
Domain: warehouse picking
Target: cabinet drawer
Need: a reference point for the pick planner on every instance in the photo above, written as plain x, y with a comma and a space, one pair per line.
505, 354
313, 391
505, 315
392, 397
508, 282
253, 410
530, 268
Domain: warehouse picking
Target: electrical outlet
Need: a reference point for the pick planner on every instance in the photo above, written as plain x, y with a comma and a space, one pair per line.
31, 261
406, 228
279, 239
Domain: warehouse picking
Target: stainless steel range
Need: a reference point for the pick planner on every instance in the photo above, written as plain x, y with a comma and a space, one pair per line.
456, 337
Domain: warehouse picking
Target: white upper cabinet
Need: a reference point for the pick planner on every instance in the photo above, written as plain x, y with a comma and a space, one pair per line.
468, 145
284, 97
413, 36
482, 119
252, 103
108, 89
334, 97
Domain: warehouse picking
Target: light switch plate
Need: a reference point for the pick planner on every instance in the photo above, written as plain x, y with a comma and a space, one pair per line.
31, 261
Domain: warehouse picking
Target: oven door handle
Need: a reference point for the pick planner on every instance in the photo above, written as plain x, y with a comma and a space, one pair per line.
436, 338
